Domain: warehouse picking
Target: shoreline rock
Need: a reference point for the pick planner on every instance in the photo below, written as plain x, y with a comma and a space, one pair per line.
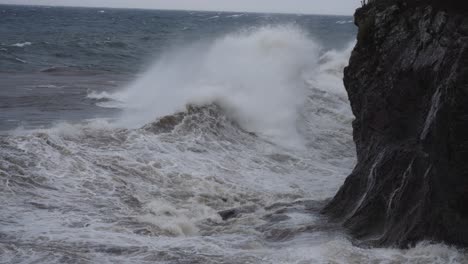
407, 82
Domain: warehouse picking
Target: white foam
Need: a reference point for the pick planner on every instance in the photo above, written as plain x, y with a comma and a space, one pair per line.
342, 22
20, 60
341, 250
177, 221
329, 77
113, 100
258, 75
100, 95
23, 44
236, 16
48, 86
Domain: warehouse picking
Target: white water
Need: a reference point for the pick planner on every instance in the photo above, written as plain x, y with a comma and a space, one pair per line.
259, 75
107, 193
20, 45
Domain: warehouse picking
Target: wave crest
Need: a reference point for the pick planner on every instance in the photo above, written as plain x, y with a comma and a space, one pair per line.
259, 77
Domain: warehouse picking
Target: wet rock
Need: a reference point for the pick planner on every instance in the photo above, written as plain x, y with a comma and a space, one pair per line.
236, 212
407, 82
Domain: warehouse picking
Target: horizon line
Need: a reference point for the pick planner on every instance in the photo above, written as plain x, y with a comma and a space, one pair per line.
167, 9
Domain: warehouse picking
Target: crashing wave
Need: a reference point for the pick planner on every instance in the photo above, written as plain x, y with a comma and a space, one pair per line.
256, 75
210, 118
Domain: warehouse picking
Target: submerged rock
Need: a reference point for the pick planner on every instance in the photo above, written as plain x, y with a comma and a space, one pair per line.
236, 212
407, 82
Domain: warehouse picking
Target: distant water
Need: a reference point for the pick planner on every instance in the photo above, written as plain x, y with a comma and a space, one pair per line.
124, 133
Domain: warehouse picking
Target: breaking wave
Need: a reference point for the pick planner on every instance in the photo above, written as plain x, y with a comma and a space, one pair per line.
260, 76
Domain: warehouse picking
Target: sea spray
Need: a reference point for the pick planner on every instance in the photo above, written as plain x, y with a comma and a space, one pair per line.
256, 75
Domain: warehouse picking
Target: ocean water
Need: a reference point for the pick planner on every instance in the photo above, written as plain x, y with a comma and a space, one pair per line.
125, 133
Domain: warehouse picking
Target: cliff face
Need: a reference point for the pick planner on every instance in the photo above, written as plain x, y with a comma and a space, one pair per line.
408, 86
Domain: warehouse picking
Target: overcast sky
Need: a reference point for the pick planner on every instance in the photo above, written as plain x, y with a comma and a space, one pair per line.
339, 7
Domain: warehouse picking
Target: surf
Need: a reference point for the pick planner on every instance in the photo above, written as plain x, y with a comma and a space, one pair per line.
260, 76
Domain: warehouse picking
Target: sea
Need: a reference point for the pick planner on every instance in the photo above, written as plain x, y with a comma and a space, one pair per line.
149, 136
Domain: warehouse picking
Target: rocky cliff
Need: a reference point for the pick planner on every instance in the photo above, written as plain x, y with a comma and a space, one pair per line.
408, 86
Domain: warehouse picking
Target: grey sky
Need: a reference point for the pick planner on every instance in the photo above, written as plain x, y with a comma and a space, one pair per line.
339, 7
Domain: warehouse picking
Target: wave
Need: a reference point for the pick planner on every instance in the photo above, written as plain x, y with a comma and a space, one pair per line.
330, 70
49, 86
21, 45
210, 120
116, 44
236, 16
69, 70
20, 60
105, 100
13, 59
99, 95
259, 76
342, 22
213, 17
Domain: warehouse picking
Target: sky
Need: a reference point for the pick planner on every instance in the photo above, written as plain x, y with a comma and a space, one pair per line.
334, 7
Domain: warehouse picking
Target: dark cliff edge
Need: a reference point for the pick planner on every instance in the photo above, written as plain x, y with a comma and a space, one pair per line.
407, 82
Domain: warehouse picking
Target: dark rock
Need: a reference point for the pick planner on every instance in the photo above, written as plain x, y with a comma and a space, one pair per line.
228, 214
407, 82
236, 212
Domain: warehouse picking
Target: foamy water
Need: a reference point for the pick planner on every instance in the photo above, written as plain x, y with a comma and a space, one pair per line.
256, 120
259, 75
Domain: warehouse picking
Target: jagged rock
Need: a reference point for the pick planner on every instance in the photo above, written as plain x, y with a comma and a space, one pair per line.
407, 82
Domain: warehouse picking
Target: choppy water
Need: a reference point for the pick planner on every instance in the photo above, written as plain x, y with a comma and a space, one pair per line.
125, 133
